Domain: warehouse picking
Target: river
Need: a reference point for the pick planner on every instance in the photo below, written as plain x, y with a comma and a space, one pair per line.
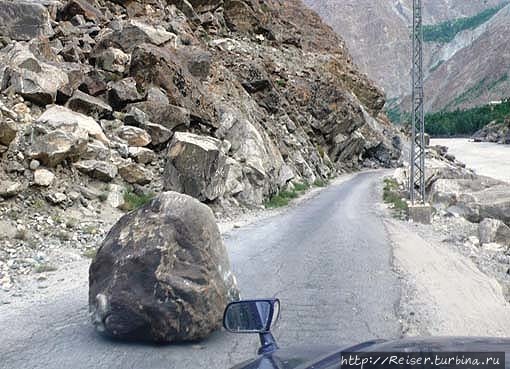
488, 159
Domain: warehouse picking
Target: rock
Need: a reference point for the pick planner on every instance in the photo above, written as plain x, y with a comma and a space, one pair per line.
9, 188
57, 146
34, 164
167, 115
24, 21
134, 136
89, 105
34, 80
162, 274
8, 132
56, 198
493, 230
157, 95
83, 8
116, 196
133, 173
134, 32
101, 170
43, 177
123, 92
159, 134
196, 166
142, 155
113, 60
58, 117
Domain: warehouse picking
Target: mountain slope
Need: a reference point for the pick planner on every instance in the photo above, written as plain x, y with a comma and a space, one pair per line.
377, 34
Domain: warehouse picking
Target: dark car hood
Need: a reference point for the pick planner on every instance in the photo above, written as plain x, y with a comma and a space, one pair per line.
322, 357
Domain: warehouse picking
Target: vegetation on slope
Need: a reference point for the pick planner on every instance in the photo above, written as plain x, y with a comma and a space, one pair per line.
446, 31
465, 122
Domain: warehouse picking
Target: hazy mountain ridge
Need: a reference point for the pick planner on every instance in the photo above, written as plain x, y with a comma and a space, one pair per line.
378, 39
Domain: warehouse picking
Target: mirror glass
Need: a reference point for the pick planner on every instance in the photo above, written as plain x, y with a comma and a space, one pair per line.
248, 316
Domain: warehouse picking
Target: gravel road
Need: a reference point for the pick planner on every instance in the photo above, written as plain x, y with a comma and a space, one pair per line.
327, 258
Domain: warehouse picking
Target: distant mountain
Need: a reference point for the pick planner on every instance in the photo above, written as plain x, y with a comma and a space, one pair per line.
466, 54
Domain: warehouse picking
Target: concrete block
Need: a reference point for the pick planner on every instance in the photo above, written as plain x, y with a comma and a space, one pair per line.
420, 213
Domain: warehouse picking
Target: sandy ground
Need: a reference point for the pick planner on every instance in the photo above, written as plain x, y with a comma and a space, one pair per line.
445, 293
488, 159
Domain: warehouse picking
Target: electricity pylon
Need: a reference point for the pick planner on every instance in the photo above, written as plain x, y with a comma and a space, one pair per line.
417, 163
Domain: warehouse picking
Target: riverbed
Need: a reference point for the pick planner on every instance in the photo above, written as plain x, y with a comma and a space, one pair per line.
488, 159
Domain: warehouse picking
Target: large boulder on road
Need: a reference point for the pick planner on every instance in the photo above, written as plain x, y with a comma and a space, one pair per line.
162, 274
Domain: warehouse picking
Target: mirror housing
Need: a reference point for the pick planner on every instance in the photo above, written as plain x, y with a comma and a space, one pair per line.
254, 316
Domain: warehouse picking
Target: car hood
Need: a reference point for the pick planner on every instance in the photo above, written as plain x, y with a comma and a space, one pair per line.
325, 357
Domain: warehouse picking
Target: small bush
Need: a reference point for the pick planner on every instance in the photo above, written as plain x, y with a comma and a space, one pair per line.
319, 182
134, 201
281, 199
89, 253
300, 187
393, 196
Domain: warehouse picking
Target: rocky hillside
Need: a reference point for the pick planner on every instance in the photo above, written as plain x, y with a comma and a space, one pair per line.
494, 132
463, 70
105, 103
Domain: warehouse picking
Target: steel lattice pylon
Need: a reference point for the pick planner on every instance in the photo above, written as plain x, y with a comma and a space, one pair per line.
417, 162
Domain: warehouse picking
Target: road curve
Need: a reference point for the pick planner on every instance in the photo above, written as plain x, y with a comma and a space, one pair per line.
328, 259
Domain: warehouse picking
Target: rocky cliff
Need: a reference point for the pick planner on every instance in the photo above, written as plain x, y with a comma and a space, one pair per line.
223, 100
464, 71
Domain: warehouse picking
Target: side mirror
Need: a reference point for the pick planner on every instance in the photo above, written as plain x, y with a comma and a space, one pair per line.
254, 316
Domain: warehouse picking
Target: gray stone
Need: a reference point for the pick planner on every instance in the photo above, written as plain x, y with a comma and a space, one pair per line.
8, 132
24, 21
142, 155
493, 231
196, 166
59, 117
135, 174
9, 188
43, 177
134, 136
57, 146
169, 116
34, 164
89, 105
113, 60
56, 198
420, 213
123, 92
159, 134
100, 170
162, 274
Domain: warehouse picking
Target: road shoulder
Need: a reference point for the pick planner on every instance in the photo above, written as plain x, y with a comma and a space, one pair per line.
443, 292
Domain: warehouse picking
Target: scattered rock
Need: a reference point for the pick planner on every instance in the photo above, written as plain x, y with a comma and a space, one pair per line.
159, 134
196, 166
9, 188
89, 105
34, 164
101, 170
116, 196
493, 230
8, 132
142, 155
59, 117
134, 136
43, 177
57, 146
138, 292
56, 198
24, 21
133, 173
113, 60
123, 92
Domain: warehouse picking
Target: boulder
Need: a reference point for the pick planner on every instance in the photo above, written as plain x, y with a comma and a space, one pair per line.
135, 174
142, 155
115, 196
493, 231
24, 20
196, 166
9, 188
43, 177
159, 134
84, 8
57, 146
59, 117
8, 132
113, 60
83, 103
162, 274
100, 170
167, 115
134, 136
123, 92
34, 80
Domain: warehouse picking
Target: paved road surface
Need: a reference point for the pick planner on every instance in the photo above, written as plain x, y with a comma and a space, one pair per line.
328, 259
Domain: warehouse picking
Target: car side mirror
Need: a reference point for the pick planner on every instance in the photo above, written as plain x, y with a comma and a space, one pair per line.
254, 316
